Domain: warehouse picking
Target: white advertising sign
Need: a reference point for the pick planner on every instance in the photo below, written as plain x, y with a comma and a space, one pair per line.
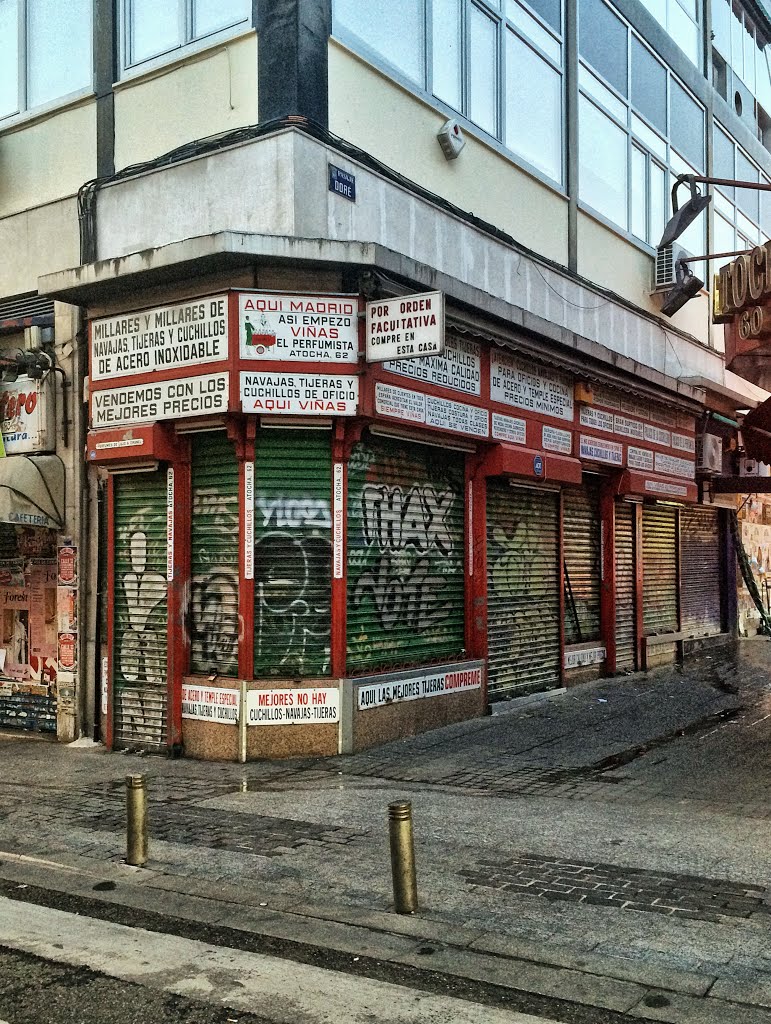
582, 658
170, 524
507, 428
657, 435
555, 440
597, 419
299, 394
515, 382
161, 400
299, 706
639, 458
249, 520
684, 443
165, 338
458, 368
674, 466
417, 687
298, 328
442, 413
405, 327
629, 428
338, 520
210, 704
663, 487
27, 416
599, 450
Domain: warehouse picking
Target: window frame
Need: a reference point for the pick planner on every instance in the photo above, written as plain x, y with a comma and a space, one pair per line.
24, 111
190, 43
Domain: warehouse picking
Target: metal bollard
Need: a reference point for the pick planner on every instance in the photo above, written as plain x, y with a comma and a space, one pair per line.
403, 857
136, 820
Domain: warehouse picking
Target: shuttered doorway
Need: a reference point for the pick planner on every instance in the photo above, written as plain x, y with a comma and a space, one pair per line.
701, 573
140, 609
405, 555
292, 553
581, 530
660, 568
214, 543
522, 590
626, 644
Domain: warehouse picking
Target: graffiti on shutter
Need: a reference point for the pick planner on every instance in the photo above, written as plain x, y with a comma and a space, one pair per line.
214, 543
292, 553
522, 590
659, 570
625, 588
140, 609
405, 555
701, 574
581, 530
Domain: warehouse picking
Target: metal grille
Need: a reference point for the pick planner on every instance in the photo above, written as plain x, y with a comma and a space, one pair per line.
581, 530
625, 588
140, 609
659, 528
405, 555
700, 573
522, 590
215, 549
292, 553
26, 307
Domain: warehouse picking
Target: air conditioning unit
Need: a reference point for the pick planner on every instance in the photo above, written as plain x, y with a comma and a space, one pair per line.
709, 454
664, 277
751, 467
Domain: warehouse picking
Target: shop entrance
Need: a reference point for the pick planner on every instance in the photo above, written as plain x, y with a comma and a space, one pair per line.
139, 602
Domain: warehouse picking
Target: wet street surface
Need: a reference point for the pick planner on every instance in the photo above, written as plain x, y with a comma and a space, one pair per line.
597, 855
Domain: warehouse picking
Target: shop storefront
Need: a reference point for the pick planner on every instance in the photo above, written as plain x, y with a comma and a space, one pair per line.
310, 552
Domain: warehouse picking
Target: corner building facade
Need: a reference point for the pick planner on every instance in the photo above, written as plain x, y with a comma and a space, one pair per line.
285, 548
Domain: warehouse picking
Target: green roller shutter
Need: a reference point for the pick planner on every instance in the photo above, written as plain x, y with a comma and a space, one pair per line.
405, 555
581, 529
660, 601
215, 549
140, 609
292, 553
523, 580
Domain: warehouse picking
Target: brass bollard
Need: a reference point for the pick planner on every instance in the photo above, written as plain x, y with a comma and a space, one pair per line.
403, 857
136, 820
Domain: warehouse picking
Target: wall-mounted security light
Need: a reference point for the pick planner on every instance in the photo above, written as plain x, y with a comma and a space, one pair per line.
451, 139
683, 216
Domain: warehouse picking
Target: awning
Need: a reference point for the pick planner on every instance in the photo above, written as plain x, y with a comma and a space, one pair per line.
506, 460
649, 485
32, 491
756, 432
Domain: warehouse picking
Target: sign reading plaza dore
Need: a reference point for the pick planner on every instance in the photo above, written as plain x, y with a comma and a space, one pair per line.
162, 400
298, 328
166, 338
405, 327
304, 394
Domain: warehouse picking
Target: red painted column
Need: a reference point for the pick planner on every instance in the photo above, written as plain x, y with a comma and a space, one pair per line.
111, 602
339, 599
608, 575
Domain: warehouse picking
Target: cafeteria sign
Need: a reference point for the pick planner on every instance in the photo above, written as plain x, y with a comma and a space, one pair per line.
407, 327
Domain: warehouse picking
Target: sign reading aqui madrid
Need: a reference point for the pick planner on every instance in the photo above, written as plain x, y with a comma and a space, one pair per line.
408, 326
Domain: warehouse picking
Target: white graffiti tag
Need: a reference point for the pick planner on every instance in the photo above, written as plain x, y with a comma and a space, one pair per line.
142, 653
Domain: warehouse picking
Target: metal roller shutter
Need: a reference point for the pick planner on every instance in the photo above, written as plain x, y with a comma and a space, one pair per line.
522, 590
140, 609
700, 574
292, 553
660, 599
215, 549
626, 645
581, 530
405, 555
